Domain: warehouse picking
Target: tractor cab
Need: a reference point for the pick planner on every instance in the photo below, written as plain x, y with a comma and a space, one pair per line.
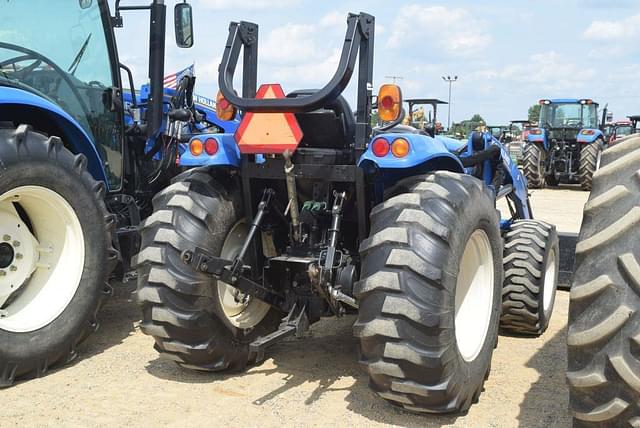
622, 128
69, 78
566, 120
499, 132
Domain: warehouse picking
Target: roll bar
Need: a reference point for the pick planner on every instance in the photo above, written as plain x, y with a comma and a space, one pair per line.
359, 39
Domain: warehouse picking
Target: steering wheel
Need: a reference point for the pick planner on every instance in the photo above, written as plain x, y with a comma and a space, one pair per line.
26, 70
28, 54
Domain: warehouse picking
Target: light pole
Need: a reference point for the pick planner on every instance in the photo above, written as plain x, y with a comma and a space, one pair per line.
449, 80
394, 78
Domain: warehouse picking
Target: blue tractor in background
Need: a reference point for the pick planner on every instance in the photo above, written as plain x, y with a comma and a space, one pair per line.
566, 145
307, 211
79, 164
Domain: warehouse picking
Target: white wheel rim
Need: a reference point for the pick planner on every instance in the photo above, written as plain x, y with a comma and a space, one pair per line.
38, 284
549, 281
474, 295
242, 312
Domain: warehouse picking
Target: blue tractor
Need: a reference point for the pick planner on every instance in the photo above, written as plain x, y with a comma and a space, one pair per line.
566, 145
79, 165
307, 211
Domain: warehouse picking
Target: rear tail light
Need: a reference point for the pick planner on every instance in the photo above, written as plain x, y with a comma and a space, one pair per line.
196, 147
380, 147
535, 132
211, 146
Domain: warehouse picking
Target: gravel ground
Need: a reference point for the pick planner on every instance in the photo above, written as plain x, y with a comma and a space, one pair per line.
119, 380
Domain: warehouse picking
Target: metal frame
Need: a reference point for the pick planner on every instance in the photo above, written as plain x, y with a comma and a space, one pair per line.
358, 44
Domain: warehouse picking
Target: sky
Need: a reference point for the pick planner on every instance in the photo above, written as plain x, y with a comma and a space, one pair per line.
507, 54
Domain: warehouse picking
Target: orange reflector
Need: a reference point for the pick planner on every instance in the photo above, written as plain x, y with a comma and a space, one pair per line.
224, 109
400, 147
389, 102
268, 133
195, 147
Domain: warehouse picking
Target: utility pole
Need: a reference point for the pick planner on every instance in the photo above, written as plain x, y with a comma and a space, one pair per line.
394, 78
449, 80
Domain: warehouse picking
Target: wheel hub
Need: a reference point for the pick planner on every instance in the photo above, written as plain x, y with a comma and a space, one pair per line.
18, 252
41, 275
6, 255
241, 310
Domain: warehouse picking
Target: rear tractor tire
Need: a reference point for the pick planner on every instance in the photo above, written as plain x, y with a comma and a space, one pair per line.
533, 165
429, 293
200, 323
589, 163
604, 311
56, 252
531, 266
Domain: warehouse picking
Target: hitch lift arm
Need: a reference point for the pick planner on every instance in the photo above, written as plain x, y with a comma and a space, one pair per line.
232, 271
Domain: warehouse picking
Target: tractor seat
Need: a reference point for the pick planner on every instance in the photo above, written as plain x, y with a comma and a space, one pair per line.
331, 127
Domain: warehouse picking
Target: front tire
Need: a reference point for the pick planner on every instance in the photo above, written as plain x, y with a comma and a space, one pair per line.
531, 267
55, 253
589, 163
196, 321
604, 311
533, 165
429, 293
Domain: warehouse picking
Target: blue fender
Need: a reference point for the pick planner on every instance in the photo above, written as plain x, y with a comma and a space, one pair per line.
540, 138
73, 134
452, 144
423, 150
589, 135
227, 155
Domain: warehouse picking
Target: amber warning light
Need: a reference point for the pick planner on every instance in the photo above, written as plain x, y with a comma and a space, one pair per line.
268, 133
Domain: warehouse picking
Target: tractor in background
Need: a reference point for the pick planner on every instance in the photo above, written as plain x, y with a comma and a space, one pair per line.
620, 129
422, 114
78, 168
519, 129
308, 211
566, 145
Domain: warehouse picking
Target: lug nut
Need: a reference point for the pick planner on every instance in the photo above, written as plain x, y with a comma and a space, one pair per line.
13, 268
16, 243
19, 256
6, 238
2, 273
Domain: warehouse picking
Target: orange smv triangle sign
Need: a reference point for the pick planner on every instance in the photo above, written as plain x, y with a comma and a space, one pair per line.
268, 133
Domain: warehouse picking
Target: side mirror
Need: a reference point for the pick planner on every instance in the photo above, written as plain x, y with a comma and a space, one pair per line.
389, 102
183, 20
